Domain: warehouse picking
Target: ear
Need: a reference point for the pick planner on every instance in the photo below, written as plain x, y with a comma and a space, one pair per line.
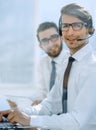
91, 30
61, 38
60, 31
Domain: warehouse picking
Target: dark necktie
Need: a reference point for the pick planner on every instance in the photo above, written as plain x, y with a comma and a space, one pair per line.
65, 83
53, 74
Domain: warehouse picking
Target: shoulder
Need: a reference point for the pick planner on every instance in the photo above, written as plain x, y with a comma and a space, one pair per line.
63, 55
44, 57
89, 62
44, 60
65, 52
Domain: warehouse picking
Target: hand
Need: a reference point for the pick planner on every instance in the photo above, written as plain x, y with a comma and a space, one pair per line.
12, 104
4, 113
36, 102
16, 116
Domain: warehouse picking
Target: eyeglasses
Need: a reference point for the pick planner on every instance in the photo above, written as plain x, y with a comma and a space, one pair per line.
52, 38
75, 26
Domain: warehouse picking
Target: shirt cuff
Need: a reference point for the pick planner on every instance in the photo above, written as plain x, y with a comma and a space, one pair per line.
36, 121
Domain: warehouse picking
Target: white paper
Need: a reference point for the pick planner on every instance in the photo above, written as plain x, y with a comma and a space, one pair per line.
20, 100
4, 105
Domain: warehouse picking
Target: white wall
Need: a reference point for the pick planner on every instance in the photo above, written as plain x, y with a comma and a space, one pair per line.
19, 50
17, 45
49, 10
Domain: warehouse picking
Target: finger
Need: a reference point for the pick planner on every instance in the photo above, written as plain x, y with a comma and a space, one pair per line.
12, 119
10, 116
33, 103
5, 112
12, 104
36, 102
0, 116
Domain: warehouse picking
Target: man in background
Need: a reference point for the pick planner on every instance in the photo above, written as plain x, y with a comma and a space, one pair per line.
51, 43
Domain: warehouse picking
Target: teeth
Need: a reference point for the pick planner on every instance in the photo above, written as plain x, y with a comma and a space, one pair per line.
72, 39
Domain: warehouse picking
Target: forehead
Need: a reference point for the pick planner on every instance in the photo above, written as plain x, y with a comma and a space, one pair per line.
47, 33
69, 19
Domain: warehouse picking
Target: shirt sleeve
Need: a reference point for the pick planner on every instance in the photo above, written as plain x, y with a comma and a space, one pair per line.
81, 115
42, 79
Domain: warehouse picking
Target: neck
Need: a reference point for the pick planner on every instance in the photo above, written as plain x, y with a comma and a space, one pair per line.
74, 50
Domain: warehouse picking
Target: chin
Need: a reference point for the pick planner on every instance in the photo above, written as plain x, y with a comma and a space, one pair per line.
52, 54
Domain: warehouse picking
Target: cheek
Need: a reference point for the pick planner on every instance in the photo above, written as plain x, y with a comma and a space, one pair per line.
87, 32
62, 38
84, 32
63, 34
59, 44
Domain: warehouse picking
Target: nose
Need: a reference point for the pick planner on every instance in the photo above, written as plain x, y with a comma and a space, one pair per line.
50, 41
70, 31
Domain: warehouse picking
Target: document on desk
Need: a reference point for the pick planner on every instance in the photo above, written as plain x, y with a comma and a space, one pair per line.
20, 101
4, 105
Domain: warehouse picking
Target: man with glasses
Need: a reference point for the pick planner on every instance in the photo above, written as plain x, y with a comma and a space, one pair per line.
50, 42
76, 27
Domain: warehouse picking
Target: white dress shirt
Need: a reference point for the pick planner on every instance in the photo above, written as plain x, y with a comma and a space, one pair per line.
44, 72
81, 113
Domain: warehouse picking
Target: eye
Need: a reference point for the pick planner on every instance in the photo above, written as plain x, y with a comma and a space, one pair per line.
77, 25
54, 36
64, 25
44, 40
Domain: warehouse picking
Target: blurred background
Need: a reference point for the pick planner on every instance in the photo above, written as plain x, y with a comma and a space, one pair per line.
19, 50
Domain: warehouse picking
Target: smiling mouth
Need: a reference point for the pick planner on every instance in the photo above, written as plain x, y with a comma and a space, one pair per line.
71, 39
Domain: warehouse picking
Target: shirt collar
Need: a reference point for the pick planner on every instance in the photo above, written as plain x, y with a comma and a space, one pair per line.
63, 55
82, 52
